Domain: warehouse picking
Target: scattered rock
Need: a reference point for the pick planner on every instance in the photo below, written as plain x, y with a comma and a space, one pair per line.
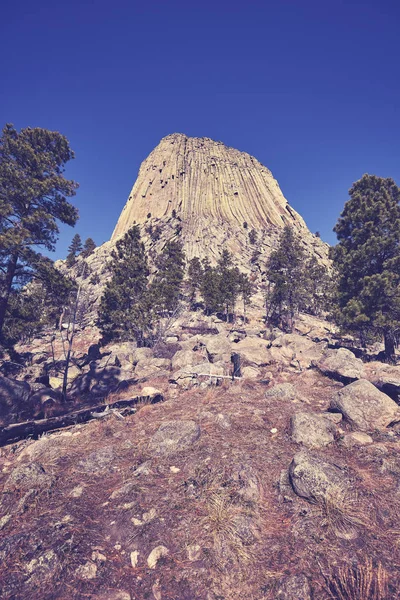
185, 358
193, 552
134, 558
253, 352
385, 377
97, 461
112, 595
223, 421
282, 391
13, 392
294, 587
251, 373
44, 566
341, 365
364, 406
87, 571
150, 392
155, 555
356, 438
218, 347
302, 350
29, 477
174, 436
311, 430
311, 476
4, 520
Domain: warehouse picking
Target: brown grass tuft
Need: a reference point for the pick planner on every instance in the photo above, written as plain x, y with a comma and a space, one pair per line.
342, 512
360, 582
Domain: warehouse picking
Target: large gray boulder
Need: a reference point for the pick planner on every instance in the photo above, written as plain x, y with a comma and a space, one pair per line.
218, 347
342, 365
195, 374
186, 358
13, 392
385, 377
253, 352
303, 350
281, 391
311, 430
364, 406
174, 436
312, 478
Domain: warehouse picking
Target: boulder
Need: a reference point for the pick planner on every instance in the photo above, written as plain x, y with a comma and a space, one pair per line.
141, 354
311, 430
364, 406
13, 392
28, 477
312, 478
174, 436
302, 350
281, 391
185, 358
341, 365
356, 438
195, 374
144, 368
294, 587
251, 373
218, 347
253, 352
385, 377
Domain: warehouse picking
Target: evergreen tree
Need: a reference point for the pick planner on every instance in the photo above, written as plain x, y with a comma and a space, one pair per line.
318, 286
74, 249
125, 307
252, 237
210, 288
39, 304
246, 291
88, 247
229, 281
195, 278
285, 272
33, 192
167, 283
367, 260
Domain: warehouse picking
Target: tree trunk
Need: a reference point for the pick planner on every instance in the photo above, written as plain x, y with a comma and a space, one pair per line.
389, 346
11, 268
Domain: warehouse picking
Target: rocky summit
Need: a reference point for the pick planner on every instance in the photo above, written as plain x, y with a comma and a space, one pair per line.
214, 191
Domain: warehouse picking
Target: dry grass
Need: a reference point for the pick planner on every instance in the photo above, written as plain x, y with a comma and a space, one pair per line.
360, 582
342, 512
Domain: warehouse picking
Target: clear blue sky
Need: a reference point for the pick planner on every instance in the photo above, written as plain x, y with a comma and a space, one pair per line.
311, 88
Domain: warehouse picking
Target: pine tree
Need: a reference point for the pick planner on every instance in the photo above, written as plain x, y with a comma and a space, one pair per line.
195, 278
285, 272
33, 194
367, 260
126, 307
319, 287
74, 249
88, 248
252, 237
246, 291
167, 283
39, 304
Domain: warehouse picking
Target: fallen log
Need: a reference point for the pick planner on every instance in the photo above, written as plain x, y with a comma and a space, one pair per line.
33, 429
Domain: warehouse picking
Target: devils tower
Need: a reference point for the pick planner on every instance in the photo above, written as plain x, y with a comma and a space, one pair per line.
215, 192
202, 179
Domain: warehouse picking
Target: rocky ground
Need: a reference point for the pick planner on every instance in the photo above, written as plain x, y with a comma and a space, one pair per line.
279, 484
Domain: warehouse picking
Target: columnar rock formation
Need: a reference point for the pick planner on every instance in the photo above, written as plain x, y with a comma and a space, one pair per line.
202, 179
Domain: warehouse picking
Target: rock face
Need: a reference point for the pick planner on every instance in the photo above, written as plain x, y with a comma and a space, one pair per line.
365, 407
200, 178
209, 190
